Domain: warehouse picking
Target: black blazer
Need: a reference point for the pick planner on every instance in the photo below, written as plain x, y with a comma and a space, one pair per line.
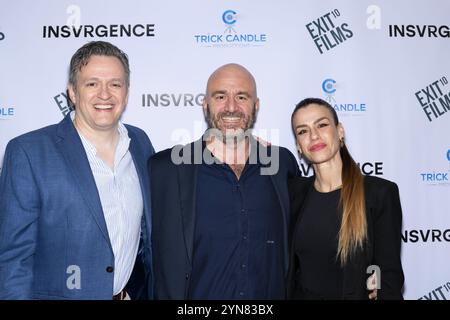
384, 222
173, 188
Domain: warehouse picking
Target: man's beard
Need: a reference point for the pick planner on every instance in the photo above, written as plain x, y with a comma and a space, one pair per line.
230, 134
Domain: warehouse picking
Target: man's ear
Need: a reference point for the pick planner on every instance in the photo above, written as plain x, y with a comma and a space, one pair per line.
205, 106
72, 95
126, 98
257, 104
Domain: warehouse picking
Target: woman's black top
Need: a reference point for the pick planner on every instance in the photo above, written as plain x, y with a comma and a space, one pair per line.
315, 247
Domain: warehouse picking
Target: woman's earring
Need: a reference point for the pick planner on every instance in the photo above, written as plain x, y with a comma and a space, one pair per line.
342, 141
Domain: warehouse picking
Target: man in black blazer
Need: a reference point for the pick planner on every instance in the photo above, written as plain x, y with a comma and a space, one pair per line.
221, 205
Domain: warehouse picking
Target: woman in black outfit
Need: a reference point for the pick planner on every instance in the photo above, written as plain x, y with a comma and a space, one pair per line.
345, 225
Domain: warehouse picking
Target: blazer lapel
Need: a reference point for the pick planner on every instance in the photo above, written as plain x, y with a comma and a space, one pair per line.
187, 178
72, 149
140, 165
281, 198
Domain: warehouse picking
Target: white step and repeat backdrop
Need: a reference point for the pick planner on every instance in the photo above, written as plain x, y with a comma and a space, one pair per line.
382, 64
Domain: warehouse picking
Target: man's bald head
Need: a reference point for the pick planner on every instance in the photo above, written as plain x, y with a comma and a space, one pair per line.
231, 71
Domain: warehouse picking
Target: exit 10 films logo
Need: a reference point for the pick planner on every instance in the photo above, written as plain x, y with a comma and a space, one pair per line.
434, 99
441, 292
63, 102
330, 87
231, 36
328, 32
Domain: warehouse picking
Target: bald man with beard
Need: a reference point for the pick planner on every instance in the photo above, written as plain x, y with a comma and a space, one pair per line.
220, 204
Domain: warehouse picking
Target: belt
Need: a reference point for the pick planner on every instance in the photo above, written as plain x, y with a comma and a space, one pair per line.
120, 296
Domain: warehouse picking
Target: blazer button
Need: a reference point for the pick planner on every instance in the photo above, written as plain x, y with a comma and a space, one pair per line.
109, 269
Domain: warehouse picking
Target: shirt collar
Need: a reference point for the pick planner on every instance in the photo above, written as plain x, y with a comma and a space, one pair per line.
122, 145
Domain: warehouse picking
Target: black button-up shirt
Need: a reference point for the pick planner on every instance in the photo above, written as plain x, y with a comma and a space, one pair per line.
238, 241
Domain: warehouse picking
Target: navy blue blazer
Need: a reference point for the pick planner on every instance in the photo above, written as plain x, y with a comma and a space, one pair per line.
52, 223
173, 188
384, 224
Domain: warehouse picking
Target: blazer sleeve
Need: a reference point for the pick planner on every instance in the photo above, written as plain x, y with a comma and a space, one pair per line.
387, 242
19, 211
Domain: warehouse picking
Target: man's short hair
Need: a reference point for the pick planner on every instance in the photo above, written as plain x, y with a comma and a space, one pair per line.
96, 48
